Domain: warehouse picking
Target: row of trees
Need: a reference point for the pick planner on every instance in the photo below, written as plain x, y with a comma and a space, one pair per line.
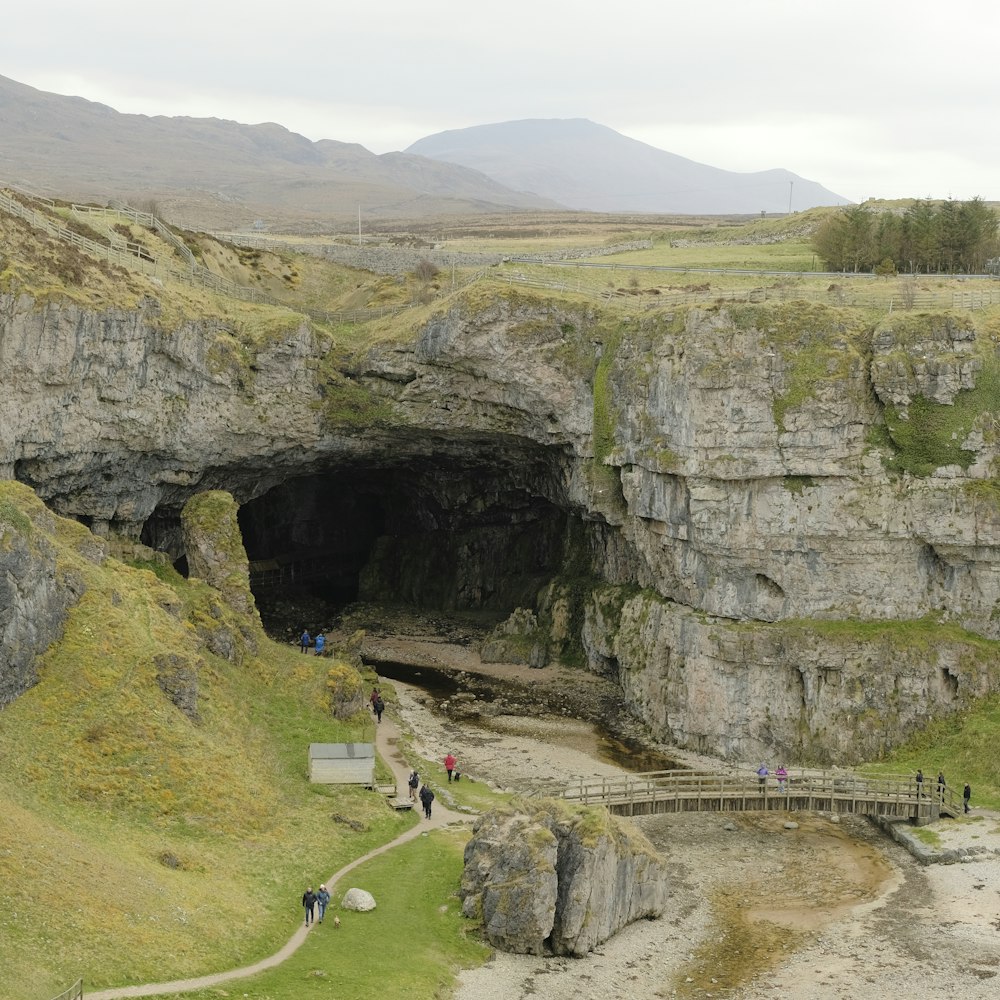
951, 237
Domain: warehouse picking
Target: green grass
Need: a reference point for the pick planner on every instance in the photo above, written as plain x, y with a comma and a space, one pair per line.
135, 825
962, 746
411, 945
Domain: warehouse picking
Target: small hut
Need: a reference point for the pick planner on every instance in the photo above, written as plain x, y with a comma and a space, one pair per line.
342, 763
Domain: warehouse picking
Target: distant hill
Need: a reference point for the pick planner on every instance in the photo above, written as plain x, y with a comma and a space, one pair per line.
208, 173
591, 167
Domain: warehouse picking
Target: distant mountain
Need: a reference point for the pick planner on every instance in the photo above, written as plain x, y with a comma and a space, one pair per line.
209, 173
593, 168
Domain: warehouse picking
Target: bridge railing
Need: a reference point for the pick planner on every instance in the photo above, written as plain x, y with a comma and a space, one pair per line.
701, 788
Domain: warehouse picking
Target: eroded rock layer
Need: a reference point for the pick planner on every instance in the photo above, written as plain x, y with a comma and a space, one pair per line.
777, 525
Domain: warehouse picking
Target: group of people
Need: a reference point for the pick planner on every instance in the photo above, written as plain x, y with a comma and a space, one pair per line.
780, 775
425, 794
941, 785
316, 902
306, 640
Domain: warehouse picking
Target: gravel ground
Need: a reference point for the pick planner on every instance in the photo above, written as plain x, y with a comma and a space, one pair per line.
830, 909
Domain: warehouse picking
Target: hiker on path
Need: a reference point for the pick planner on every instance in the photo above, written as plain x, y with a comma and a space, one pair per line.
323, 898
374, 697
782, 775
920, 782
320, 643
966, 795
762, 773
309, 902
941, 785
450, 764
379, 707
426, 799
414, 783
304, 640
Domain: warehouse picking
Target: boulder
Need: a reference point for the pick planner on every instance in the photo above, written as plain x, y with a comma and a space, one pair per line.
358, 899
547, 877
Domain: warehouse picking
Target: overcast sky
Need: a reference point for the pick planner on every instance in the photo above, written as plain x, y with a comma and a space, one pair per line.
870, 99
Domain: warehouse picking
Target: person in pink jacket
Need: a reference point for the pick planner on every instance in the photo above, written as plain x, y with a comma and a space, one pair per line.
450, 763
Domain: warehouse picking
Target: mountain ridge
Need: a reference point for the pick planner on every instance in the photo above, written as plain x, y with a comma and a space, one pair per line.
598, 169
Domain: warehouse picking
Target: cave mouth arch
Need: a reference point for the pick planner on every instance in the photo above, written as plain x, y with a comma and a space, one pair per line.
481, 531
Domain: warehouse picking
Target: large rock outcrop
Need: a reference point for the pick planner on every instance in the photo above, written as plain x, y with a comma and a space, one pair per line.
546, 878
36, 593
761, 465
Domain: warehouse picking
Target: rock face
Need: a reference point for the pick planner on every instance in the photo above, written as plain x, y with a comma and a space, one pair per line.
556, 880
777, 525
35, 593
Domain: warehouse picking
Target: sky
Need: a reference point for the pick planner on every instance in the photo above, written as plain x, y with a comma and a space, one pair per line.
871, 99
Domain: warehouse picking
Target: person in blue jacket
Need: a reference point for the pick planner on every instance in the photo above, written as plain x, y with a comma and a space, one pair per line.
304, 640
320, 643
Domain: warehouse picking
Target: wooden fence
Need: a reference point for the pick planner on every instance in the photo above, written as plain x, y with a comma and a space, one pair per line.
824, 791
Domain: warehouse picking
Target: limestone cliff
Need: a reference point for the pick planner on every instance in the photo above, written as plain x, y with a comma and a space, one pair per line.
778, 525
546, 878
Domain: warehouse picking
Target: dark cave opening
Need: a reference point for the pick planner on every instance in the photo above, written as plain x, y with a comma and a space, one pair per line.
438, 536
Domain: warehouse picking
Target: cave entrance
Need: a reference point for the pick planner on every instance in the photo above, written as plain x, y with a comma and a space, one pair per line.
441, 535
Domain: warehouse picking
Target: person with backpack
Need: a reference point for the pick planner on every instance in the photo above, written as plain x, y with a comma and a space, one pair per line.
379, 707
320, 643
426, 800
414, 783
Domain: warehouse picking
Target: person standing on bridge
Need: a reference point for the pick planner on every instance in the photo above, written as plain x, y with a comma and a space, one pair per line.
782, 775
941, 784
304, 640
762, 773
920, 782
320, 643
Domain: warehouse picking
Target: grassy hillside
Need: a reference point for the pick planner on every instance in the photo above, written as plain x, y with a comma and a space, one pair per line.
137, 844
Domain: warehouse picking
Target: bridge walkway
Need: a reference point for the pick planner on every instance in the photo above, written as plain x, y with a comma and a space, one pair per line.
651, 792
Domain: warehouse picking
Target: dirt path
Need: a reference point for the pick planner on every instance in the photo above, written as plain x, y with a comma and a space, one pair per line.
386, 741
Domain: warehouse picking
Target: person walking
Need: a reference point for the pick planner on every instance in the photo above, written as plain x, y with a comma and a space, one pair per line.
940, 783
426, 800
966, 795
414, 783
920, 782
379, 707
323, 901
762, 773
320, 643
450, 763
309, 902
782, 775
304, 640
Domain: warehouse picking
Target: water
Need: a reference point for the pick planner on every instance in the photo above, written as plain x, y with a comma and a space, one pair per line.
622, 751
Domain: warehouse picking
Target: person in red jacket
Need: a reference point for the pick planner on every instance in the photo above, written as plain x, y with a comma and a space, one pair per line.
449, 764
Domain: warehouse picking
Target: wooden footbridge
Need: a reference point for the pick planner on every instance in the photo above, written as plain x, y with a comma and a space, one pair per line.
651, 792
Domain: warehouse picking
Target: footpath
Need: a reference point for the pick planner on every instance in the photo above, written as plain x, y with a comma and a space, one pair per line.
387, 735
